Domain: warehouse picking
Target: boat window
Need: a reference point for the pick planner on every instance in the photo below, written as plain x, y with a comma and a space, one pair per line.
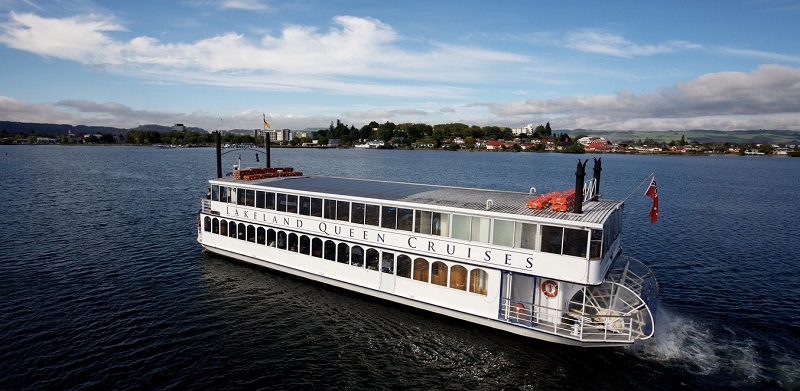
596, 245
282, 240
291, 203
372, 259
330, 250
214, 192
343, 255
461, 227
240, 195
223, 228
422, 222
357, 256
404, 266
387, 262
342, 211
270, 196
231, 229
405, 219
305, 245
260, 199
316, 207
480, 229
250, 198
389, 217
503, 233
207, 224
316, 247
305, 206
261, 235
526, 236
373, 215
293, 242
441, 224
458, 277
439, 273
215, 226
271, 237
551, 239
575, 242
421, 269
241, 231
281, 202
330, 209
357, 213
477, 281
223, 194
251, 233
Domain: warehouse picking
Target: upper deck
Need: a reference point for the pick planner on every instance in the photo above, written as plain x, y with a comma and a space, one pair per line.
595, 213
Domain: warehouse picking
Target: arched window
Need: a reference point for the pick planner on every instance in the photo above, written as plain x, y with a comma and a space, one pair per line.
421, 269
271, 237
387, 263
357, 256
261, 235
343, 255
282, 240
215, 225
316, 247
241, 231
372, 259
293, 242
477, 281
207, 224
439, 273
330, 250
458, 277
404, 266
223, 228
231, 229
251, 233
305, 245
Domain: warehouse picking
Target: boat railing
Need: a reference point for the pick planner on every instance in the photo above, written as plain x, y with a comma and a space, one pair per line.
606, 328
205, 205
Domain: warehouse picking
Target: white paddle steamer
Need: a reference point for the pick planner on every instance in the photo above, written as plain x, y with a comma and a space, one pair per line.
546, 267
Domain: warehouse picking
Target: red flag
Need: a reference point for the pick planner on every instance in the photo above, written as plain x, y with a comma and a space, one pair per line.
652, 192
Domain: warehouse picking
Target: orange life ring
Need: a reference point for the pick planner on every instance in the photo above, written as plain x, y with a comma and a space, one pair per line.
550, 288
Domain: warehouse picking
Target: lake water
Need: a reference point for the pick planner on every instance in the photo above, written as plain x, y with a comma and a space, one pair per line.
103, 285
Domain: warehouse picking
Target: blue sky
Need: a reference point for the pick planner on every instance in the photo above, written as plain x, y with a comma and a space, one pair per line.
636, 65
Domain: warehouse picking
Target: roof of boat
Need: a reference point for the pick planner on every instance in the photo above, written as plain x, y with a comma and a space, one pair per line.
455, 197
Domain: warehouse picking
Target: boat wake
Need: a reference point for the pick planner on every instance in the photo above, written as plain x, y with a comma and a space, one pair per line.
719, 352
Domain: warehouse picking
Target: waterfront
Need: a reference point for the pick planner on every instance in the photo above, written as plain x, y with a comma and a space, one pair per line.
104, 286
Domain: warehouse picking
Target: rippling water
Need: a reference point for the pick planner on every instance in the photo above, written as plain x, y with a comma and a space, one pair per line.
102, 284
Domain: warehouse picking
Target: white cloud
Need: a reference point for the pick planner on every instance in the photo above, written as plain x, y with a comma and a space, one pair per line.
247, 5
595, 41
724, 100
301, 57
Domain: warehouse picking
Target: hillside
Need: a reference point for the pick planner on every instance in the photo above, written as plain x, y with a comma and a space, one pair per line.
788, 137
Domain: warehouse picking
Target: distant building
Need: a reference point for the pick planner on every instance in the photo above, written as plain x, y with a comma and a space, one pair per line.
334, 142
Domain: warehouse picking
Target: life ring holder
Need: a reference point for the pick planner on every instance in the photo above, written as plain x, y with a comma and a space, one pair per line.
550, 288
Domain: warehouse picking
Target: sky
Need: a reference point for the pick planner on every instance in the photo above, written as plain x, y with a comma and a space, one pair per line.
622, 65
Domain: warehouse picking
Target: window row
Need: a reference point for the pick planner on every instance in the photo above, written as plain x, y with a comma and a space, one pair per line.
514, 234
419, 269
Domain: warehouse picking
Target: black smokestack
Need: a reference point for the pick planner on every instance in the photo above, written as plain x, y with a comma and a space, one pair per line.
597, 169
580, 175
218, 142
267, 147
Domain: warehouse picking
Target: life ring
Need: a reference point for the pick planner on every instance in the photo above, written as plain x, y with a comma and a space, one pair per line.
550, 288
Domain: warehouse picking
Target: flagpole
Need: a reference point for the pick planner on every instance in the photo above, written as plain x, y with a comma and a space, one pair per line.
649, 177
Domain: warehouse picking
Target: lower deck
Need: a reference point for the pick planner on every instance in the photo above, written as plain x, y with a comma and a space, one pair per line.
499, 299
